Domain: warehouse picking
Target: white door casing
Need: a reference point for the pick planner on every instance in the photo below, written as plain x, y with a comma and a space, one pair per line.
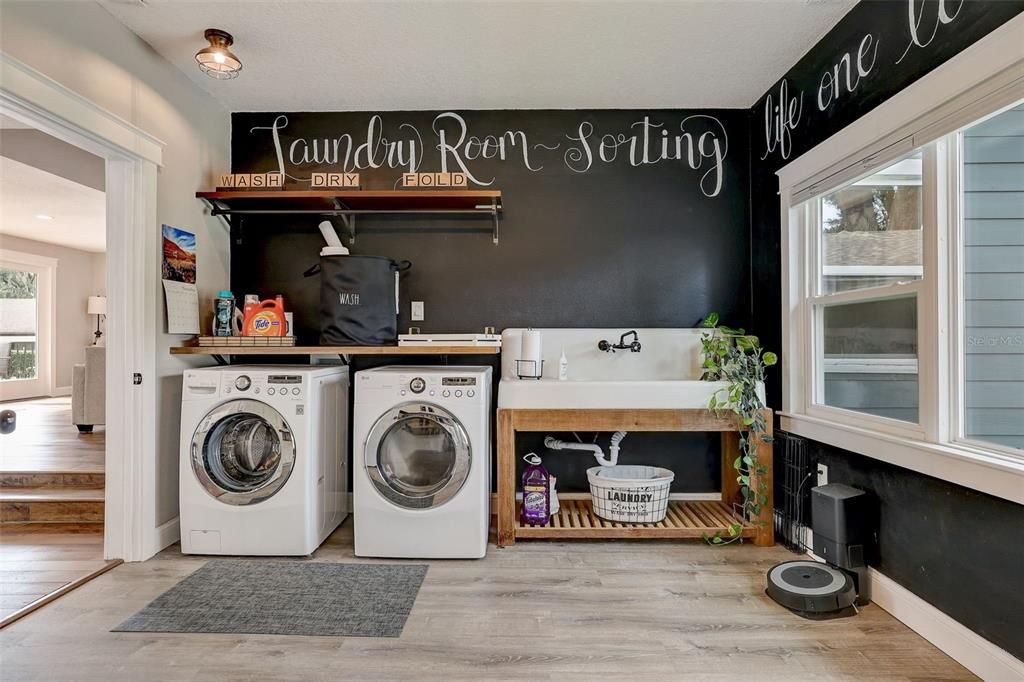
132, 158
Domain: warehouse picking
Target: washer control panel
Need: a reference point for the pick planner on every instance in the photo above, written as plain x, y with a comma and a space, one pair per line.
287, 386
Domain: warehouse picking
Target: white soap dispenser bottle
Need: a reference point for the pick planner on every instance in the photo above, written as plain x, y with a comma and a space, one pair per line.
563, 367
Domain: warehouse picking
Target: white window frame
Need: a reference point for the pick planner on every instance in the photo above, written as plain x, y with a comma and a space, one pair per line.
45, 269
981, 81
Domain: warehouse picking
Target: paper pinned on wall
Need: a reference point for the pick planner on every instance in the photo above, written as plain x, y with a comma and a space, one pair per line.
182, 307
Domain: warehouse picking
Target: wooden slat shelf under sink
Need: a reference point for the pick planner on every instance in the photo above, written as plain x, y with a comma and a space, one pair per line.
685, 519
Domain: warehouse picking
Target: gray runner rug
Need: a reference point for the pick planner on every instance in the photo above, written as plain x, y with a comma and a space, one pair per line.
286, 598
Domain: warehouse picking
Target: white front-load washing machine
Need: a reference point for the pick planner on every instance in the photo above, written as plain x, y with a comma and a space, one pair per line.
264, 458
422, 462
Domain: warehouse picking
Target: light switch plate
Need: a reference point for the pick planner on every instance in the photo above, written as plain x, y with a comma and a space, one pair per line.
822, 474
417, 311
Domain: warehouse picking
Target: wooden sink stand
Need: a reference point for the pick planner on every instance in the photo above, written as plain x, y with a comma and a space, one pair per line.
685, 519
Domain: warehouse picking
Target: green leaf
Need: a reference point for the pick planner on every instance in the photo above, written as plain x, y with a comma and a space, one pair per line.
736, 464
711, 320
716, 540
735, 529
770, 358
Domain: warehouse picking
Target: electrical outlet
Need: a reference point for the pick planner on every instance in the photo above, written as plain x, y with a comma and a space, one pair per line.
822, 474
417, 311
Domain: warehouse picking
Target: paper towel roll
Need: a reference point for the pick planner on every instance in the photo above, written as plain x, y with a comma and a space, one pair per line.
530, 353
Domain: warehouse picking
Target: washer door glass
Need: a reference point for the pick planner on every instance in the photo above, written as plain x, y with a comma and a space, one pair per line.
418, 456
243, 452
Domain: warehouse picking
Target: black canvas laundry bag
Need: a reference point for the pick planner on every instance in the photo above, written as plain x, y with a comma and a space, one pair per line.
358, 300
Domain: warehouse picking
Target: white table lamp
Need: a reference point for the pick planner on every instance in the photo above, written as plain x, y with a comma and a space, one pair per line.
97, 305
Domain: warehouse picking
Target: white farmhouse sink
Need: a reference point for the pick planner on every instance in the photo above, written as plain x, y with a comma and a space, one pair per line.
665, 374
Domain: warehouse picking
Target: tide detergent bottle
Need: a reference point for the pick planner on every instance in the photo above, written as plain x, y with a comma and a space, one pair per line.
265, 318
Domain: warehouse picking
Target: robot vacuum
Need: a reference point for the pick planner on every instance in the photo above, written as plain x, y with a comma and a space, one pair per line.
812, 590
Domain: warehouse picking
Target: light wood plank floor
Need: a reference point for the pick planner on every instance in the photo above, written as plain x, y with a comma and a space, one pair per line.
38, 559
582, 610
46, 440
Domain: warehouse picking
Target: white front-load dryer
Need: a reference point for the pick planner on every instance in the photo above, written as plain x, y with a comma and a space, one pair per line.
264, 458
422, 462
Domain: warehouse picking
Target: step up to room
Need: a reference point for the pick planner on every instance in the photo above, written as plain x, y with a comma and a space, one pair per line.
51, 505
51, 479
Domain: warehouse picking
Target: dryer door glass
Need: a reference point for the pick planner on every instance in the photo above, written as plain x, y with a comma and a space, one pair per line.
418, 456
243, 452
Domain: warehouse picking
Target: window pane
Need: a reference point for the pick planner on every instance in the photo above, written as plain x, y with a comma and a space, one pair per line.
870, 357
993, 266
871, 229
17, 325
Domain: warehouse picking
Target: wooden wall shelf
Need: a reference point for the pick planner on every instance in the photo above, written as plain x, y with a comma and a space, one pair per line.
348, 204
221, 351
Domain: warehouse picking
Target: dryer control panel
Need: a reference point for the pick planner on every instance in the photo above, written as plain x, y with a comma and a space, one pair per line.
429, 386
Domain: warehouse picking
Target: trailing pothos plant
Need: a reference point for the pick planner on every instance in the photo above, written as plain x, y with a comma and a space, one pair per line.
733, 356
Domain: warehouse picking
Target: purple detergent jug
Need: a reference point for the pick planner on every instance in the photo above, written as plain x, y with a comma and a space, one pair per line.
536, 509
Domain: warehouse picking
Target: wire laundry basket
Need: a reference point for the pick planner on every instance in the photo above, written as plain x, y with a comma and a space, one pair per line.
630, 493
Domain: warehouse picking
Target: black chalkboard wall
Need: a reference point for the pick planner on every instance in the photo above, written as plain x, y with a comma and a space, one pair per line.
625, 245
639, 240
958, 549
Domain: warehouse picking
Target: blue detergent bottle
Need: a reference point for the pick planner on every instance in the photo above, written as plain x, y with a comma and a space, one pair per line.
536, 510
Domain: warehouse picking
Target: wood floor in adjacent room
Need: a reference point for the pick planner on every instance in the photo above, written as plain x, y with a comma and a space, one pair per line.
51, 505
38, 559
584, 610
46, 440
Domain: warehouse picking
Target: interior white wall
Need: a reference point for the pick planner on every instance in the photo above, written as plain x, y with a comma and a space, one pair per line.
45, 152
99, 275
76, 277
82, 47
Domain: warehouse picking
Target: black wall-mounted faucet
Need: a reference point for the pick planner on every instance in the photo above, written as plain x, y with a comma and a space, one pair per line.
633, 347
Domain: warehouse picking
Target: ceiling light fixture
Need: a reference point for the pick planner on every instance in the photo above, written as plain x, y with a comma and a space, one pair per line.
43, 216
217, 61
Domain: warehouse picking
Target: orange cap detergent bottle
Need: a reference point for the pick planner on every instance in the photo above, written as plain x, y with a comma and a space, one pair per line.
265, 318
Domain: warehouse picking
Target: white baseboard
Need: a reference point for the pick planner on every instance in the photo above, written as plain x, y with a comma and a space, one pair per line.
60, 392
969, 649
166, 535
950, 636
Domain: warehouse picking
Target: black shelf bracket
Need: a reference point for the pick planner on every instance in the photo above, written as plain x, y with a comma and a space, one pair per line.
348, 215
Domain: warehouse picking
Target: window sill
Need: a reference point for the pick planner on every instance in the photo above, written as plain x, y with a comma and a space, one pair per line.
994, 474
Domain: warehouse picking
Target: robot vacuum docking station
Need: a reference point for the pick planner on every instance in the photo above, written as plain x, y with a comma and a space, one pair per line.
844, 523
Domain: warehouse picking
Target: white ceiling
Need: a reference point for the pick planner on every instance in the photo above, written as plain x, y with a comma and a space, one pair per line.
475, 54
78, 212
